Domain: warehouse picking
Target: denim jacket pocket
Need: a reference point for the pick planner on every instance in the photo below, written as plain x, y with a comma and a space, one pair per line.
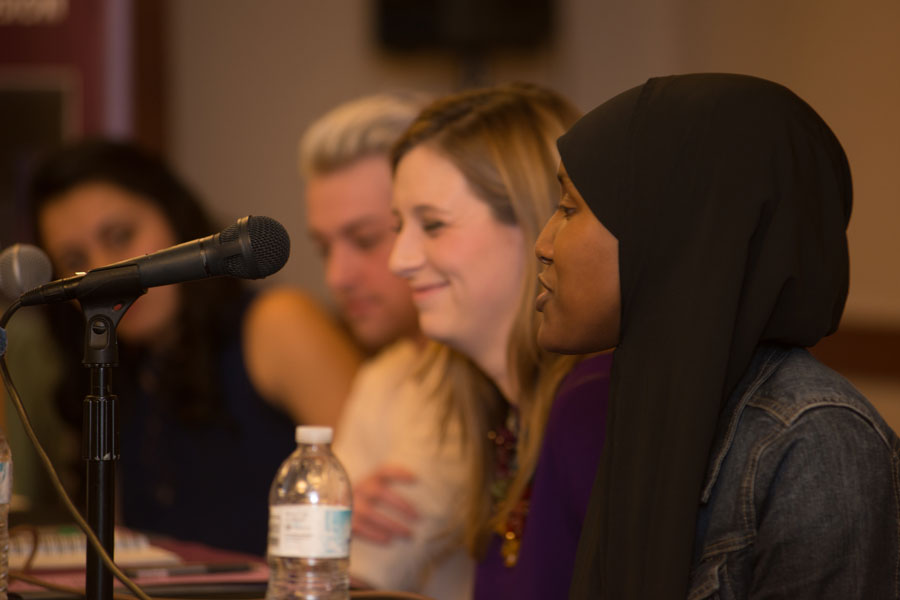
707, 578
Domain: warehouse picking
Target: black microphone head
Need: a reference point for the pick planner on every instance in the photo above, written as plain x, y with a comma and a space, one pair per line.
269, 247
22, 268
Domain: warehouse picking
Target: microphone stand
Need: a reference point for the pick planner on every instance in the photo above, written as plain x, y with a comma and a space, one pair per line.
103, 307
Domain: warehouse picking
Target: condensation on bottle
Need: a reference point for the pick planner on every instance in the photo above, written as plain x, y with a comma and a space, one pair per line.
310, 504
5, 497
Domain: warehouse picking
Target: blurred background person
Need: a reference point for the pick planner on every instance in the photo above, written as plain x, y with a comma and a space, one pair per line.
474, 180
212, 375
407, 470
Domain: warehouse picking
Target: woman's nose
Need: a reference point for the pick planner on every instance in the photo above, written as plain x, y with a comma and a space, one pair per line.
406, 255
543, 246
101, 258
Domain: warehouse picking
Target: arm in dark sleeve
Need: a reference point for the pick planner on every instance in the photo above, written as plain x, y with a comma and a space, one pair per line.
828, 514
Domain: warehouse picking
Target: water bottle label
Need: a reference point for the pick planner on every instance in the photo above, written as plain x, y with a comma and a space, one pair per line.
309, 531
5, 481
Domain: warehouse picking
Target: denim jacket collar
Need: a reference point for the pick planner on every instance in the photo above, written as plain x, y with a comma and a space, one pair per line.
764, 362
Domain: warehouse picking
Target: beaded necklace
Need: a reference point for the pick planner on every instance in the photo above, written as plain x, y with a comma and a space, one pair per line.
504, 439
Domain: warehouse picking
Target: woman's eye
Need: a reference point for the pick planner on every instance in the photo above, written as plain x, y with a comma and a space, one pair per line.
566, 206
119, 237
566, 211
432, 226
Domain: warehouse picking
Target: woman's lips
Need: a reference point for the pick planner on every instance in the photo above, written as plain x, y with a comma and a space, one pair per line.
423, 291
541, 300
543, 297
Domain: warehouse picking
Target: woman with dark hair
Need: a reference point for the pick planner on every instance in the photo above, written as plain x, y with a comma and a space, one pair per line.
701, 232
211, 378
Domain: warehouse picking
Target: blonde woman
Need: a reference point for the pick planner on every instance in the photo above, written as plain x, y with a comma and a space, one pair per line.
474, 181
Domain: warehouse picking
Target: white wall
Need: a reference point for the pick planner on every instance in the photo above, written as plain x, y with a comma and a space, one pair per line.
247, 77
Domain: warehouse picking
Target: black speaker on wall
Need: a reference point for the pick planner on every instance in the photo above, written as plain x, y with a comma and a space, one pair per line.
463, 25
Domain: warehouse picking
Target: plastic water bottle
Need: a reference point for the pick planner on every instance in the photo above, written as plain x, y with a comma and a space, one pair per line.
309, 523
5, 497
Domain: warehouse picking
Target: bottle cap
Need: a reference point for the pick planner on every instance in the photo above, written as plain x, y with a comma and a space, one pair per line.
313, 434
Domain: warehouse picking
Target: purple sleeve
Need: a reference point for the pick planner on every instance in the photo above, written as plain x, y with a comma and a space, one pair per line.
576, 431
563, 478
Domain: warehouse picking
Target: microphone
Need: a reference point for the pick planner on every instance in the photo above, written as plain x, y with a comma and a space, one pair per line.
252, 248
22, 267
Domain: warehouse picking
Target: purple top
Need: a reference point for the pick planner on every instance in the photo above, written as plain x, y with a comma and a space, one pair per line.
562, 484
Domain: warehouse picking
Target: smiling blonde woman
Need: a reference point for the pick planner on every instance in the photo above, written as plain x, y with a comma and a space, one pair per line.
474, 180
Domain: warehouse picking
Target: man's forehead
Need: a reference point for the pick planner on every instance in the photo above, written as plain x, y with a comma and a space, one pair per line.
351, 224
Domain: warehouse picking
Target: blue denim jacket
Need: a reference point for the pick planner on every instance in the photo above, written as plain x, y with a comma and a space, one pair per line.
802, 494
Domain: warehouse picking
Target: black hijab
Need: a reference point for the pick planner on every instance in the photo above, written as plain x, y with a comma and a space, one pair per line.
730, 198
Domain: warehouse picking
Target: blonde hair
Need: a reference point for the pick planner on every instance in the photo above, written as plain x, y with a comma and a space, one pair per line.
503, 140
355, 129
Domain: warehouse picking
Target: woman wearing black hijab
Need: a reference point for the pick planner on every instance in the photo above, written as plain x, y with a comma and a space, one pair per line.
702, 233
